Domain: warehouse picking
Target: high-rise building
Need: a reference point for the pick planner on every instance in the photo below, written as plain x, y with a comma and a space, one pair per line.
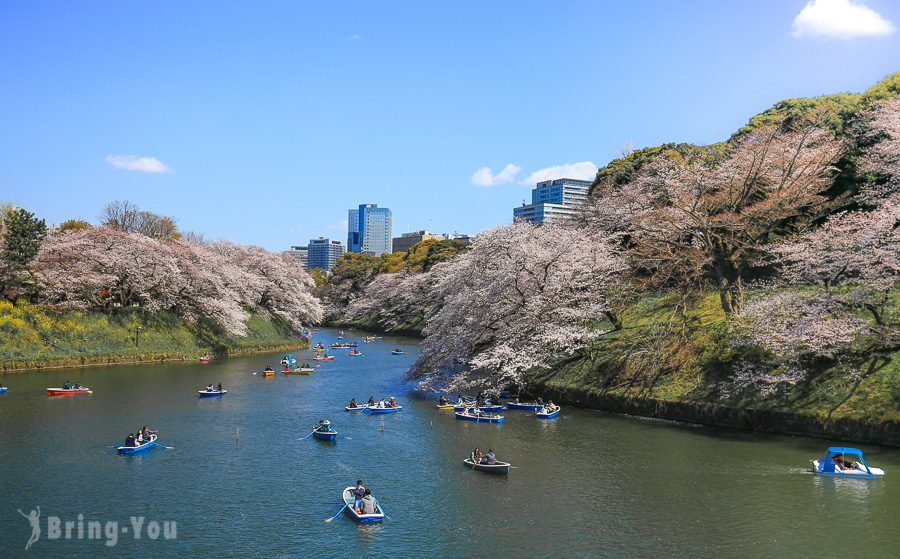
353, 230
369, 229
323, 253
553, 201
300, 253
405, 241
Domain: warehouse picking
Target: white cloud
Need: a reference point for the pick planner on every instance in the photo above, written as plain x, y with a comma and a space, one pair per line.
355, 37
137, 163
840, 19
586, 170
484, 176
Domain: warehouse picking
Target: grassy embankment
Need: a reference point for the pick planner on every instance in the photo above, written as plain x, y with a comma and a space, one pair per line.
686, 370
33, 337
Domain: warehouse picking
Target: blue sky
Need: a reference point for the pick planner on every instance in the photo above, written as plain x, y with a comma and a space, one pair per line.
271, 119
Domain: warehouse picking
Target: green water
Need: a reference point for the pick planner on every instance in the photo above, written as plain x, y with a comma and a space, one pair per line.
238, 483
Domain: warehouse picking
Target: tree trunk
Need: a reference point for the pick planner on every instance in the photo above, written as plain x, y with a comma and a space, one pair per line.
614, 319
725, 296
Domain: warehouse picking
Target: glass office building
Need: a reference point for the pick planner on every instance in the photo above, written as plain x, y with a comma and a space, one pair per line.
323, 253
553, 201
369, 230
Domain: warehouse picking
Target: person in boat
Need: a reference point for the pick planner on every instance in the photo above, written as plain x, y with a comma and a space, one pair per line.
489, 458
220, 387
442, 401
476, 456
551, 407
268, 369
393, 402
540, 401
371, 401
843, 464
353, 403
130, 440
147, 432
67, 386
209, 387
368, 503
358, 493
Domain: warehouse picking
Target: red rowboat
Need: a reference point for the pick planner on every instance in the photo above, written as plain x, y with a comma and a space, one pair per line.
68, 391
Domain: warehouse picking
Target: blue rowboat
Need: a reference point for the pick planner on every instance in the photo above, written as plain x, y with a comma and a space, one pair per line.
372, 409
488, 409
139, 448
211, 393
544, 413
4, 389
842, 461
347, 497
325, 435
480, 418
524, 406
395, 352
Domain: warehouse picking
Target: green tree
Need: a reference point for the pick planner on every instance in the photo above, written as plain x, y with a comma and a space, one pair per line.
22, 238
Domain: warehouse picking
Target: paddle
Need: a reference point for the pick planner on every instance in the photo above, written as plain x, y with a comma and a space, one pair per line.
380, 508
164, 446
307, 436
338, 512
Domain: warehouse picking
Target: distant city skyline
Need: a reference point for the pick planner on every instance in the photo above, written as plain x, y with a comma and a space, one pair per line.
264, 123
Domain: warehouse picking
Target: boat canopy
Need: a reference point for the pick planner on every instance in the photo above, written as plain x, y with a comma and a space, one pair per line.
826, 462
844, 450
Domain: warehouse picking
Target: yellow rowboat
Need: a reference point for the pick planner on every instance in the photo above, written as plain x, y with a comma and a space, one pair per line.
268, 373
300, 371
319, 349
445, 406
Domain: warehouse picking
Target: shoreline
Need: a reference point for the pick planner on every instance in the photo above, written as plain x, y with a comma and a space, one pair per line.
716, 415
79, 362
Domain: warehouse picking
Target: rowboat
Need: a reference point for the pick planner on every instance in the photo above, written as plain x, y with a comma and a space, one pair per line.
323, 435
211, 393
373, 409
545, 413
355, 353
488, 409
445, 406
533, 406
3, 389
268, 373
347, 497
357, 408
834, 463
319, 349
495, 468
300, 371
485, 418
139, 448
204, 359
324, 357
396, 352
68, 391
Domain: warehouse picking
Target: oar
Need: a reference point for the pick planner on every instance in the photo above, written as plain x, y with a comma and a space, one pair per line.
164, 446
380, 507
338, 512
307, 436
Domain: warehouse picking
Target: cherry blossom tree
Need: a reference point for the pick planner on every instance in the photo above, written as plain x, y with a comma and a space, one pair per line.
881, 140
398, 300
107, 268
690, 221
521, 296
